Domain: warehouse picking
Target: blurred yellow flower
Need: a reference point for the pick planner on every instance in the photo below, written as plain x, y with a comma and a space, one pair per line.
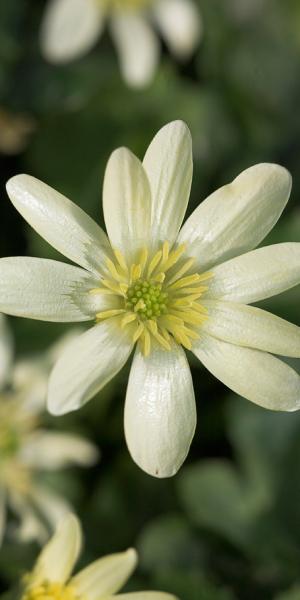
26, 448
71, 27
162, 288
101, 580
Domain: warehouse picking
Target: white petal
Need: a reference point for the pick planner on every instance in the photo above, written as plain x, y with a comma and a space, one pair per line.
249, 326
235, 218
55, 450
137, 48
6, 351
160, 411
143, 596
105, 576
58, 557
127, 203
70, 28
256, 375
47, 290
2, 514
180, 24
87, 365
168, 163
257, 275
60, 222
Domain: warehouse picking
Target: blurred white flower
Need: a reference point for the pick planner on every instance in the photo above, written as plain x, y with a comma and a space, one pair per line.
164, 288
52, 578
27, 449
71, 27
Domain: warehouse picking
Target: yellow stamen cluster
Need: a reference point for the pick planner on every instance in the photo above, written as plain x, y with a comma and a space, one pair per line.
50, 591
159, 296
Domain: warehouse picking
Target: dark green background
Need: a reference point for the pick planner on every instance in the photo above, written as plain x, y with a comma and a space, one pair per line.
228, 525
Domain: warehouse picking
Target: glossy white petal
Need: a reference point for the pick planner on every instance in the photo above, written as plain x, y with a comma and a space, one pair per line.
257, 275
105, 576
168, 163
137, 47
143, 596
249, 326
6, 351
87, 365
70, 28
57, 559
47, 290
60, 222
256, 375
235, 218
127, 203
55, 450
160, 411
180, 24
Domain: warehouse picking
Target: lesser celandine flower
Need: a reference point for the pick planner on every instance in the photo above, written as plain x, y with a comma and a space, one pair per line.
27, 449
51, 578
71, 27
160, 288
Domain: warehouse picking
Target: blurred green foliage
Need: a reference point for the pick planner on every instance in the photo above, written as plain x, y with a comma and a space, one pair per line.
228, 526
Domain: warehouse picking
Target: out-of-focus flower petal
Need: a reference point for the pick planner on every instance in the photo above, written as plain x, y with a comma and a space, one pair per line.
70, 28
105, 576
57, 559
137, 48
181, 25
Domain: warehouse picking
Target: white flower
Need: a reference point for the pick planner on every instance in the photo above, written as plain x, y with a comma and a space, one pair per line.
26, 448
163, 288
101, 580
71, 27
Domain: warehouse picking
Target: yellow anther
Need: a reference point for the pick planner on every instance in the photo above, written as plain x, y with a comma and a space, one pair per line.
174, 257
135, 272
143, 259
165, 251
138, 332
160, 277
106, 314
146, 342
184, 281
185, 267
140, 305
113, 270
129, 318
123, 288
153, 263
121, 259
111, 285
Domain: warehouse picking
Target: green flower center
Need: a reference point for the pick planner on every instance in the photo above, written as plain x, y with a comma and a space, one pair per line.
146, 299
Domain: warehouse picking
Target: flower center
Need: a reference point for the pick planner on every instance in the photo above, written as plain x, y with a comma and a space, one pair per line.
158, 296
50, 591
146, 299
